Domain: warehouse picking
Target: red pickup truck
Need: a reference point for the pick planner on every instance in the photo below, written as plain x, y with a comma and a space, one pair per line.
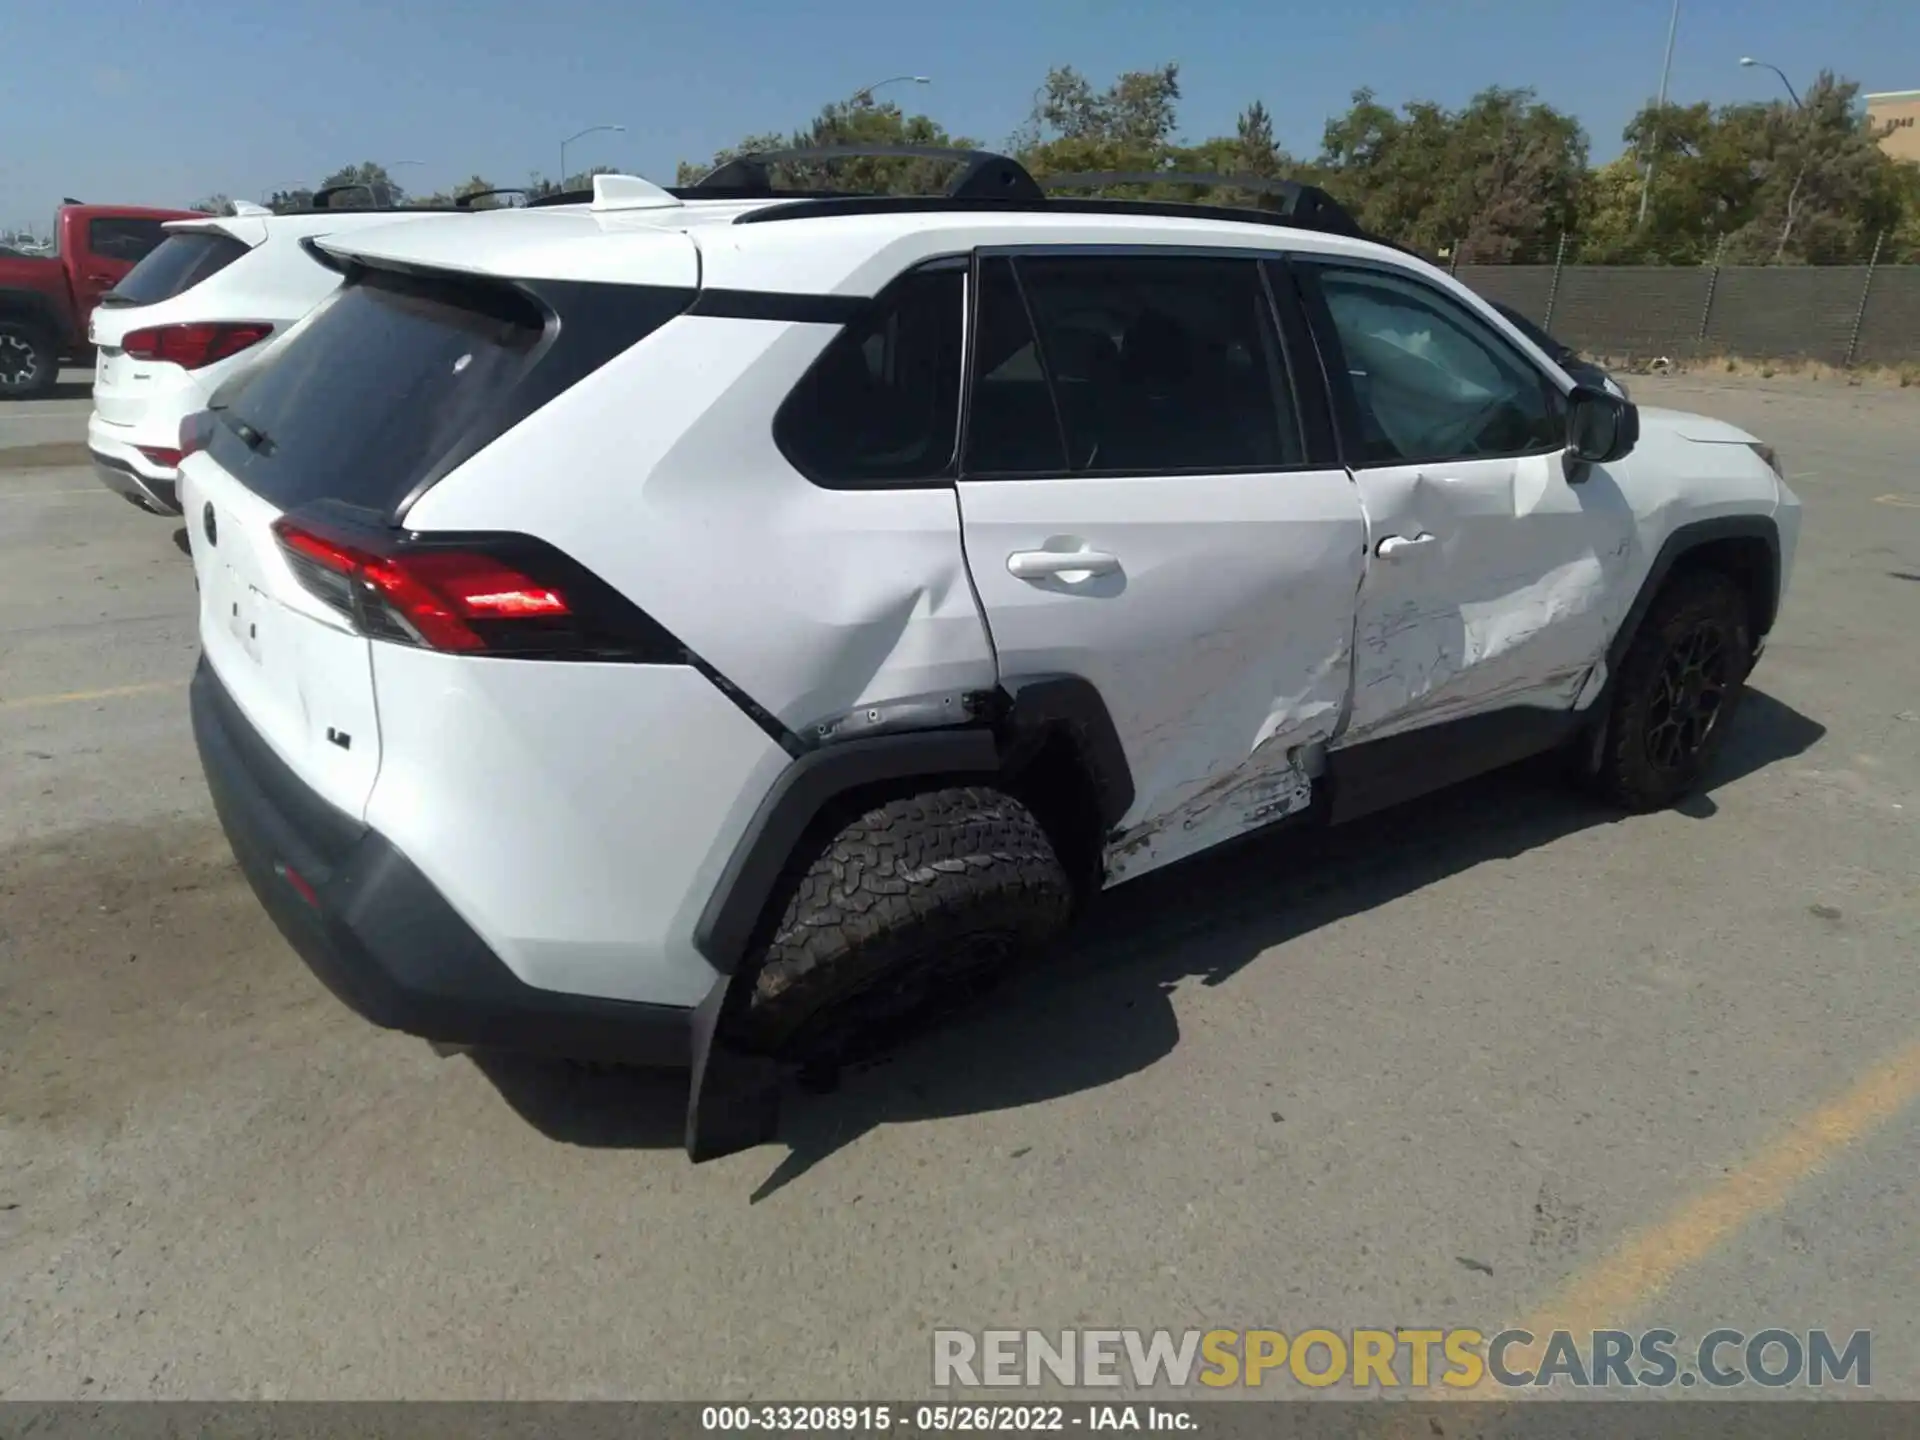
46, 300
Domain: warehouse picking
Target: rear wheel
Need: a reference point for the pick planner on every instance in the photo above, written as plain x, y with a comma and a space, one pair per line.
917, 901
29, 359
1677, 691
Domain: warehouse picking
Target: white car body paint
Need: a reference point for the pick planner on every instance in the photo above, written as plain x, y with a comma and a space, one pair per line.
578, 815
1222, 642
142, 402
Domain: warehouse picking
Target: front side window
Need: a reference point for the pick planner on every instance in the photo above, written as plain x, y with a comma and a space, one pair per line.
124, 238
1428, 380
881, 406
1125, 364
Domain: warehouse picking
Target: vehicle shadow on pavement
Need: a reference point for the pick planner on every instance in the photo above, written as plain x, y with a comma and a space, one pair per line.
1098, 1010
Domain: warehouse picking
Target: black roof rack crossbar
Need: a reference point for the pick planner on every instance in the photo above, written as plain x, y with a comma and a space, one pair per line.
985, 175
381, 195
1298, 201
466, 201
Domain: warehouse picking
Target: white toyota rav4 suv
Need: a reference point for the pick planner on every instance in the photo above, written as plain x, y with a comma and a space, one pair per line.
208, 300
692, 627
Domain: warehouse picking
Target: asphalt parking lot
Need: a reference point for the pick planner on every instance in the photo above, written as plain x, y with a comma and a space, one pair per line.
1501, 1058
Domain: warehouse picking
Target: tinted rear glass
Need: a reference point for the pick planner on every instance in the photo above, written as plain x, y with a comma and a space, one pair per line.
179, 263
375, 390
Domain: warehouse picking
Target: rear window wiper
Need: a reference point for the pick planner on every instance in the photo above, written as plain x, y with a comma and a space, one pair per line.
255, 440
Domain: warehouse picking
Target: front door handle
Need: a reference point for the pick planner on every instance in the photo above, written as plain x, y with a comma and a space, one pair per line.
1394, 546
1050, 564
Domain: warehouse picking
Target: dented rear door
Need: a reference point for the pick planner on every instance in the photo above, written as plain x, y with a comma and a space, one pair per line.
1140, 512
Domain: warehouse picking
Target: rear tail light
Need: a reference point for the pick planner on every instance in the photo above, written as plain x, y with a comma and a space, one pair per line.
160, 454
197, 345
494, 595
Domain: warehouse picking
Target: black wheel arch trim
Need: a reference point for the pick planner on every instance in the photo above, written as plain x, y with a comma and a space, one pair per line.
735, 908
1683, 540
1023, 720
1070, 704
41, 312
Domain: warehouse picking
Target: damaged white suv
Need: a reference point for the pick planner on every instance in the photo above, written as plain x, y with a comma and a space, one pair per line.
693, 627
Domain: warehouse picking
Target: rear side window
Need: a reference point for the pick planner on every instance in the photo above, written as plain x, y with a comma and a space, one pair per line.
395, 379
124, 238
1092, 364
175, 267
881, 406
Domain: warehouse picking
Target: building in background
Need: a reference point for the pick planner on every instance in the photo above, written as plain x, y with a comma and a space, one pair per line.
1899, 109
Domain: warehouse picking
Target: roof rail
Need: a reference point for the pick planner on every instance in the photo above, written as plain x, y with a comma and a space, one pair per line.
1308, 203
986, 176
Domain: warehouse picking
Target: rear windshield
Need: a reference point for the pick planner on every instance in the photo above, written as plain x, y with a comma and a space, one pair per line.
175, 266
374, 391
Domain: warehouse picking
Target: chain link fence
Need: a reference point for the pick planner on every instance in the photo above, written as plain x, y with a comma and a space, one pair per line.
1634, 315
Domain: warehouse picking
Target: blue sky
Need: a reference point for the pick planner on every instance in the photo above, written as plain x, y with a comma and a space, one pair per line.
162, 102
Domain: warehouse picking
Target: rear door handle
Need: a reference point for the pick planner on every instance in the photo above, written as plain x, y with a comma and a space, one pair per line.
1046, 564
1395, 546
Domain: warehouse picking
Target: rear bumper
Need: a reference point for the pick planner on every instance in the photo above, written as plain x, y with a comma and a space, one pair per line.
379, 935
119, 465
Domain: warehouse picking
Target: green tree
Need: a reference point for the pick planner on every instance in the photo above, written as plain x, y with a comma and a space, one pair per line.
850, 122
378, 187
1760, 184
1500, 178
283, 201
1130, 125
215, 204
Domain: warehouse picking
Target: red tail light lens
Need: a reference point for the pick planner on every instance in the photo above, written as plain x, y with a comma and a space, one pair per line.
160, 454
444, 599
194, 346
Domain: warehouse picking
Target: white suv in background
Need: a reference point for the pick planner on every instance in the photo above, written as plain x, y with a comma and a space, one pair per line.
206, 301
696, 627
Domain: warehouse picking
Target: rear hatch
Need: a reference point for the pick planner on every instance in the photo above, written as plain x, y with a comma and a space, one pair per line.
146, 304
311, 457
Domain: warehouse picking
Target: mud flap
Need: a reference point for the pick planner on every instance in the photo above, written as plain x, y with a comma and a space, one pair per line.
733, 1098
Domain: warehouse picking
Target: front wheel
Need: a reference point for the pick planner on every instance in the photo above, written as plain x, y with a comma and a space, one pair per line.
915, 901
1677, 691
29, 360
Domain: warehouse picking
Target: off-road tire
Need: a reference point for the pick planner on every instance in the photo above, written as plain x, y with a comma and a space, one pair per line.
916, 902
24, 342
1660, 739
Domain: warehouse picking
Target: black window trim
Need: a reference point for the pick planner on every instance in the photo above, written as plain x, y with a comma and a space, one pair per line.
864, 306
1306, 268
1318, 453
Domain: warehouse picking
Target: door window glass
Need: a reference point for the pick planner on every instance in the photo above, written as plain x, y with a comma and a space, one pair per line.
1429, 381
1133, 364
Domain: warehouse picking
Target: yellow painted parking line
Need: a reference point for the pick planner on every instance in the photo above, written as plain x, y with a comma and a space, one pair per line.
1608, 1293
73, 697
88, 490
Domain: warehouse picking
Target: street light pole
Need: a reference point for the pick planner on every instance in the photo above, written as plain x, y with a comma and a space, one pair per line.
590, 130
863, 97
1800, 178
1750, 63
1653, 154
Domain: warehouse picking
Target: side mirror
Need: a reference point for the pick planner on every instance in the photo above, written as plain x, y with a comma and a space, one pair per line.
1601, 428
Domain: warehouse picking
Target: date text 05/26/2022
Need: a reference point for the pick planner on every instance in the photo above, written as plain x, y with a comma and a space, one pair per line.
943, 1419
